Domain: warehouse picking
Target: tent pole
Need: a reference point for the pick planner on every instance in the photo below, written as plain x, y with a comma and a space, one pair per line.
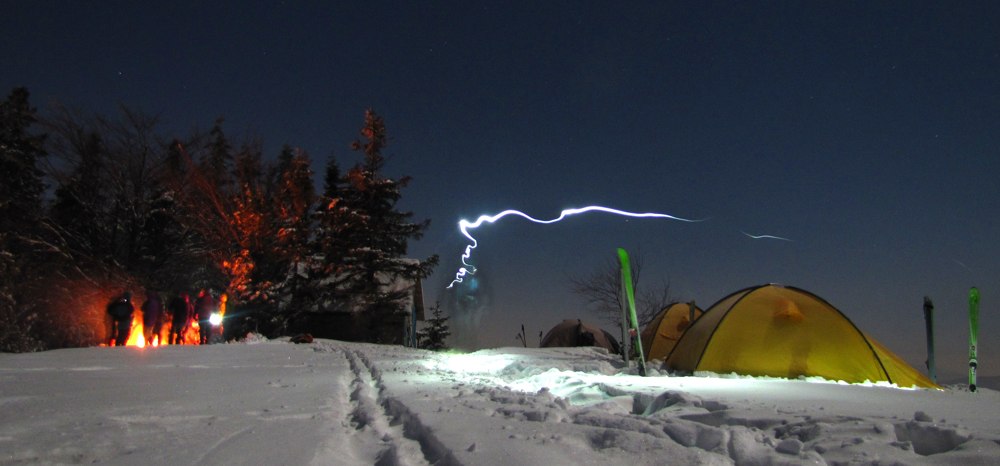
929, 321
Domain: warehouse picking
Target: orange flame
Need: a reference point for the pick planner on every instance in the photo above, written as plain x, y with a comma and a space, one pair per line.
135, 335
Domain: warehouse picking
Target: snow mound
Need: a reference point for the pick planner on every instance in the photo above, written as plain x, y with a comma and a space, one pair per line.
271, 402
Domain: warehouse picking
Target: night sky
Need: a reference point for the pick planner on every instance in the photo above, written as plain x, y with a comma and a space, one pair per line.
866, 132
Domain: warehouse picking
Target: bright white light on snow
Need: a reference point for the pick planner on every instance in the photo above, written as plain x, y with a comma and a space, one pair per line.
465, 225
473, 364
215, 319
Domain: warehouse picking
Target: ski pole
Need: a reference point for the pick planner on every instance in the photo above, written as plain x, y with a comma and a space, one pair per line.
625, 326
973, 335
929, 321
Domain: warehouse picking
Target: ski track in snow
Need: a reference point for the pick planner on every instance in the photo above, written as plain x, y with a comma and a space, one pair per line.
377, 418
644, 428
336, 403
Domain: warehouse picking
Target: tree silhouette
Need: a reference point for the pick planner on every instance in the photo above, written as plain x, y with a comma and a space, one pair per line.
364, 237
434, 336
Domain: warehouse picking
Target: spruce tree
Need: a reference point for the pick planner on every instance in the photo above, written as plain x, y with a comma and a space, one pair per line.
219, 157
20, 179
363, 238
293, 203
80, 198
331, 179
434, 336
20, 201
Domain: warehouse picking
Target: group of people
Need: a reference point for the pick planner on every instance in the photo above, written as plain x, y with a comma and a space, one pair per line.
179, 310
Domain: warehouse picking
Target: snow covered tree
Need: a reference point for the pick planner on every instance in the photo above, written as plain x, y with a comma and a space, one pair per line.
294, 200
233, 219
255, 222
20, 202
362, 238
434, 336
285, 266
112, 207
35, 259
112, 224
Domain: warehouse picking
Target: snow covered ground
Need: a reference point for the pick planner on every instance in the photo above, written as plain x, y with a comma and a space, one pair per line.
273, 403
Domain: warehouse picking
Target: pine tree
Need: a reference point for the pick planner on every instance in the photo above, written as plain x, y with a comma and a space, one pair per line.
363, 238
20, 201
433, 337
175, 163
331, 218
79, 200
293, 202
331, 179
217, 161
20, 179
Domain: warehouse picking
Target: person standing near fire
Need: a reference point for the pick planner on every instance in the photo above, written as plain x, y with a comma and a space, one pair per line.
121, 311
181, 310
203, 307
152, 317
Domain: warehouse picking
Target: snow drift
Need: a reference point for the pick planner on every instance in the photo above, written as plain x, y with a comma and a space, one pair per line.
329, 402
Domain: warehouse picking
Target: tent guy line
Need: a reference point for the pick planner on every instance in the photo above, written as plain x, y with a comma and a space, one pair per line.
465, 225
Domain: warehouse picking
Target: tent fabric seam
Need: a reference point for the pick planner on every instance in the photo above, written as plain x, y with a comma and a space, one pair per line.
848, 319
679, 340
708, 341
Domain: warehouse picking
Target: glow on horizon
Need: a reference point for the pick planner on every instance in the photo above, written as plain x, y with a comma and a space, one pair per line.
464, 226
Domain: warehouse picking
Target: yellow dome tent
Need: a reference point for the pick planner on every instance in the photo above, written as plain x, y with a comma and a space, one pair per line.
786, 332
662, 333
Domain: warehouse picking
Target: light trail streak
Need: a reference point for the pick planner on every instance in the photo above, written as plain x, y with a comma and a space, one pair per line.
464, 226
765, 236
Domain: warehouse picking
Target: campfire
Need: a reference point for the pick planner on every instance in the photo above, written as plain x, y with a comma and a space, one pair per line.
136, 335
191, 336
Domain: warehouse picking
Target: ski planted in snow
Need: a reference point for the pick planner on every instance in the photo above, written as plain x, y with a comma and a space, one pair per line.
973, 335
929, 321
633, 324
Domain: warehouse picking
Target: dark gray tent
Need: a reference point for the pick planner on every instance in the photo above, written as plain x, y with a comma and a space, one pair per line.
575, 332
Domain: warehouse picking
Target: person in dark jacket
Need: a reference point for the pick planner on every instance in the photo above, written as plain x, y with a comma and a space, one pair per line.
152, 316
121, 311
181, 310
203, 307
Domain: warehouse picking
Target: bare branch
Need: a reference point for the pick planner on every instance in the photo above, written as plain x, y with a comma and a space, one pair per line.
601, 291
